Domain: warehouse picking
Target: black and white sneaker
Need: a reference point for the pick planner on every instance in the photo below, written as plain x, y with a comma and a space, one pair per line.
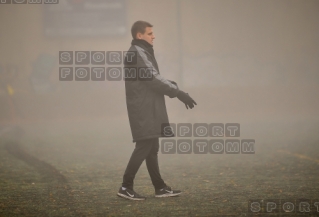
167, 192
129, 194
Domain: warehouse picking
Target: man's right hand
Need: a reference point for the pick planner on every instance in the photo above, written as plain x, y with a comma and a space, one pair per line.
186, 99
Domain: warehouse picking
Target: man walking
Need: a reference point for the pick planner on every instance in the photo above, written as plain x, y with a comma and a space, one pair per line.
147, 112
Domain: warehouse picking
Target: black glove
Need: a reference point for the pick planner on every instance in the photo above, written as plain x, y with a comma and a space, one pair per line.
185, 98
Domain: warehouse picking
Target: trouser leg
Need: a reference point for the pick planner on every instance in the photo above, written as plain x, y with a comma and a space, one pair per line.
141, 151
153, 167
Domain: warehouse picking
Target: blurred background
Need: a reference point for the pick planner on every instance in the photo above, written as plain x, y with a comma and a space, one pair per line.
252, 62
248, 62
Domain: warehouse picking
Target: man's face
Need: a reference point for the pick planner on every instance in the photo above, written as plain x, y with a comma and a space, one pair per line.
147, 36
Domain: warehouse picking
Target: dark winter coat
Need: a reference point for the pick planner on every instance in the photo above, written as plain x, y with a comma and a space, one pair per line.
145, 98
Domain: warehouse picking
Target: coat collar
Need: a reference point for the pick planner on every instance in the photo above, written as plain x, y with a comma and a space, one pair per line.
148, 48
143, 44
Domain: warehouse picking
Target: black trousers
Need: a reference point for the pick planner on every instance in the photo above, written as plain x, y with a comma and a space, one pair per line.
144, 150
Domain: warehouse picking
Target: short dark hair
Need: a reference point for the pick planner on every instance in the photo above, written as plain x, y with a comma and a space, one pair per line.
139, 26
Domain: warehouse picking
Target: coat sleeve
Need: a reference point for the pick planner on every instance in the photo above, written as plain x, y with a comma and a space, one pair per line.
156, 82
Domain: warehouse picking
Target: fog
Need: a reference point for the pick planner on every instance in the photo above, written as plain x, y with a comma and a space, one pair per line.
249, 62
242, 61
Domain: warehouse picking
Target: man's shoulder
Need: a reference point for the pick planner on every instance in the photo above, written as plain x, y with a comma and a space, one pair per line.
135, 47
132, 54
139, 51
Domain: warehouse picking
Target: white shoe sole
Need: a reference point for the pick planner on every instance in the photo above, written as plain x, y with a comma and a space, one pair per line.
130, 198
168, 195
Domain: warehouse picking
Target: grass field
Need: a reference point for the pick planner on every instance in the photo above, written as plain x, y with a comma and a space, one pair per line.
62, 170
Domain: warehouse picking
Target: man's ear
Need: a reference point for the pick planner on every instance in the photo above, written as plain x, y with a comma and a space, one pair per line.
138, 35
